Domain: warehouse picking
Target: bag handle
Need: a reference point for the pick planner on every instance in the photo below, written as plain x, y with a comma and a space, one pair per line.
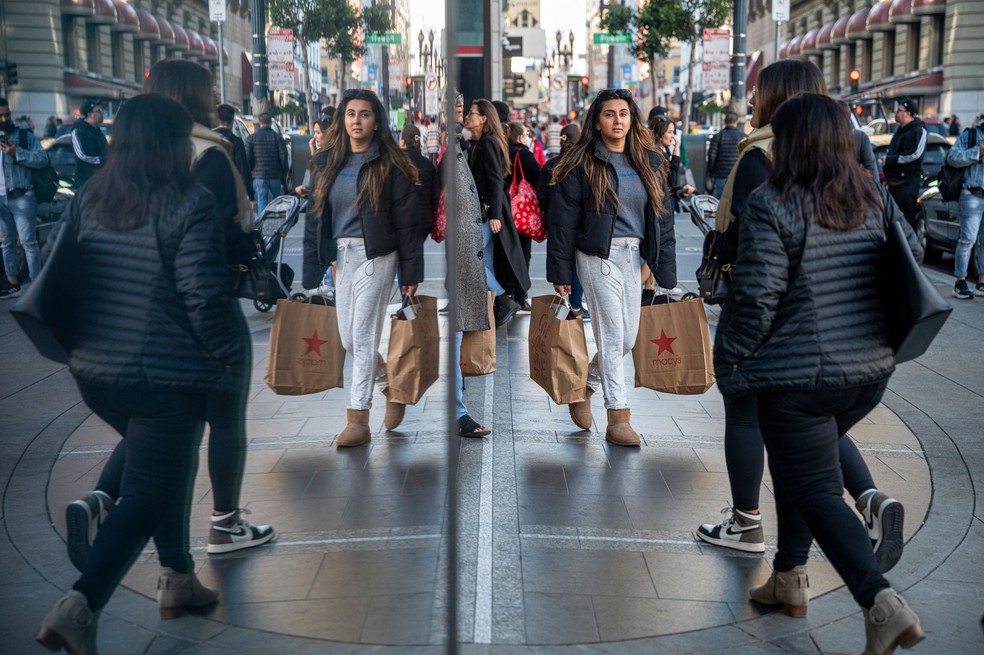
517, 166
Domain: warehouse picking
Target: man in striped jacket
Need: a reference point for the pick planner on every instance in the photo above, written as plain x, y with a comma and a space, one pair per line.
88, 142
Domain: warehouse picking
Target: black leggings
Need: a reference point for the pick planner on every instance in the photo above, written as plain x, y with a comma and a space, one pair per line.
744, 453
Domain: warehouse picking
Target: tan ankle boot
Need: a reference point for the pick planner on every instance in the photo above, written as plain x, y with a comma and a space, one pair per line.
890, 623
581, 412
357, 431
70, 625
394, 415
619, 432
791, 589
176, 592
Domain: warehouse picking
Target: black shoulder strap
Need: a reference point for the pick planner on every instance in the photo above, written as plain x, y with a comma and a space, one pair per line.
972, 137
23, 139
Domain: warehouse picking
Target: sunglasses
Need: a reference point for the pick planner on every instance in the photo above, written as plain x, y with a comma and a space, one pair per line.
662, 118
615, 94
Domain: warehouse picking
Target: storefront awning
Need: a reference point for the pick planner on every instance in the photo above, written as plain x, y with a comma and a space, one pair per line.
78, 7
924, 7
856, 26
878, 17
94, 87
809, 44
127, 19
753, 65
901, 12
823, 37
920, 85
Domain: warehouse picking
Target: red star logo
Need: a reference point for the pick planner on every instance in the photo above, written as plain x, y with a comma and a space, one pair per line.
314, 343
665, 343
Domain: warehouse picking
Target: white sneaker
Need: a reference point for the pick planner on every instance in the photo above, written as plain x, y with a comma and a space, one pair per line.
231, 532
884, 518
740, 531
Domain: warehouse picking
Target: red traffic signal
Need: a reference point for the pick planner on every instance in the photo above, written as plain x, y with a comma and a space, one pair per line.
584, 81
855, 75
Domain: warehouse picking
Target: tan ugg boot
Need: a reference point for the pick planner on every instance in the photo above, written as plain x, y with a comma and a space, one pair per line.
70, 625
619, 432
176, 592
791, 589
890, 623
394, 415
357, 431
581, 412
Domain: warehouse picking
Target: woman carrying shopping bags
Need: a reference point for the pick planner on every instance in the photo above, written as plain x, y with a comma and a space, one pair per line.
605, 212
367, 221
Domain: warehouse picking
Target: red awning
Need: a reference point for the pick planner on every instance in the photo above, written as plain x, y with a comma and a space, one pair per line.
920, 85
167, 32
127, 19
809, 43
78, 7
753, 65
793, 49
924, 7
95, 87
878, 17
783, 49
105, 13
247, 79
196, 45
856, 26
901, 12
211, 49
181, 41
838, 33
149, 29
823, 37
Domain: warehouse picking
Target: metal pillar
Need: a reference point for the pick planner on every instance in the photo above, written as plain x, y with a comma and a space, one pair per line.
260, 90
738, 71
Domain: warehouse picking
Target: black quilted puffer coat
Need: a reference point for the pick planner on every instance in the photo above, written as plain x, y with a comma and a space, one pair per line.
805, 311
157, 311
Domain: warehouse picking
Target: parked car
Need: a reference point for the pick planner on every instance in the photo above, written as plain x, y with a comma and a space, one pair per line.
938, 226
936, 149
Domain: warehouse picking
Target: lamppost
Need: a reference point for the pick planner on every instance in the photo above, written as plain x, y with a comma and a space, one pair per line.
547, 66
558, 36
570, 38
420, 49
430, 42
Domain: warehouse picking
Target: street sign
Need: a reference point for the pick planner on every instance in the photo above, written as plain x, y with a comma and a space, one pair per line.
716, 67
431, 93
280, 77
383, 38
558, 95
780, 10
280, 59
216, 11
606, 38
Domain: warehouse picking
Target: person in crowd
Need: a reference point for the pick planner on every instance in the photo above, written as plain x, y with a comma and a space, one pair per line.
664, 133
502, 111
366, 206
433, 139
554, 145
266, 152
226, 115
606, 211
569, 134
808, 234
429, 188
190, 84
320, 280
519, 139
88, 142
862, 145
722, 152
903, 163
489, 163
743, 450
971, 205
316, 162
535, 145
148, 374
50, 127
20, 151
954, 128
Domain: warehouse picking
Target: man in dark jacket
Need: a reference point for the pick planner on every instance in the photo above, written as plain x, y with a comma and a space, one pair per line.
88, 142
266, 152
722, 153
903, 163
226, 115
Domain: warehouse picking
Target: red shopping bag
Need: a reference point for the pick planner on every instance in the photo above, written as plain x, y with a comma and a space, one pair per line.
526, 211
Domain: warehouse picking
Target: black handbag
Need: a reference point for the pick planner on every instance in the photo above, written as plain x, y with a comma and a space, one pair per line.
914, 308
713, 275
47, 310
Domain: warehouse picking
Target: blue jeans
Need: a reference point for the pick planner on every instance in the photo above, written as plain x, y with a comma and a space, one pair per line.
971, 211
266, 190
577, 291
18, 222
719, 183
488, 248
459, 382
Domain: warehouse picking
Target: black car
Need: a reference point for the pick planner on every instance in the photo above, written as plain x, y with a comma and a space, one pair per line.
938, 226
933, 157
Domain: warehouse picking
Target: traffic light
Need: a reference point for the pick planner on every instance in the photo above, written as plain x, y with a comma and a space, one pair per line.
584, 87
11, 73
409, 82
855, 76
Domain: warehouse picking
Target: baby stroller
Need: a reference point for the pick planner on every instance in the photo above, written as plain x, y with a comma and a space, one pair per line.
712, 276
268, 278
702, 209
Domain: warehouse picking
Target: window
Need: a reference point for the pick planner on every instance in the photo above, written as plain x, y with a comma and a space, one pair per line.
70, 43
888, 55
119, 55
912, 48
93, 62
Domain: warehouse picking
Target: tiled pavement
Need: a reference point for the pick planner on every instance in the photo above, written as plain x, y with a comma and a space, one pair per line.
564, 542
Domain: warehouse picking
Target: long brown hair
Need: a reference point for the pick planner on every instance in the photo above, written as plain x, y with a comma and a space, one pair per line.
187, 82
782, 80
494, 130
638, 144
340, 149
813, 152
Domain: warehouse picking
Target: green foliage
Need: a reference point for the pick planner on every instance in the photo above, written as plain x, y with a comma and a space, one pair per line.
335, 24
291, 108
710, 107
617, 18
657, 24
378, 18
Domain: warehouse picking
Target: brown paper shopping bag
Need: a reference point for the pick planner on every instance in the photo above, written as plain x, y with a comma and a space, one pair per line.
413, 359
558, 351
306, 354
672, 352
478, 348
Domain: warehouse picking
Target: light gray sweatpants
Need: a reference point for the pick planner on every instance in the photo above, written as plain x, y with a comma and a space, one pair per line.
611, 288
362, 291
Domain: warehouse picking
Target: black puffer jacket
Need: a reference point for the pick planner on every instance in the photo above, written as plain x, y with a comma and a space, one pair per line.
266, 152
157, 313
574, 224
805, 312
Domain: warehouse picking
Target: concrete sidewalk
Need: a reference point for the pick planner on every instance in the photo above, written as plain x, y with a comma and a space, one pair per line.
564, 542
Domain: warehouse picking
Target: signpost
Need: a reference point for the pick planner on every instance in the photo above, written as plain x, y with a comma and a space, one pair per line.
431, 92
217, 14
780, 13
606, 38
383, 38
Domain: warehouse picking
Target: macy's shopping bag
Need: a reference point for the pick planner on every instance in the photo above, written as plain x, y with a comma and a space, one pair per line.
413, 359
558, 350
306, 354
672, 352
478, 348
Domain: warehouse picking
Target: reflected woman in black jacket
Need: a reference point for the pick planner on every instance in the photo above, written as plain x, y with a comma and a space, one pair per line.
524, 165
148, 371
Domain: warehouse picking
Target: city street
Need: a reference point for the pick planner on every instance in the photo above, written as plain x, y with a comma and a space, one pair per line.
565, 543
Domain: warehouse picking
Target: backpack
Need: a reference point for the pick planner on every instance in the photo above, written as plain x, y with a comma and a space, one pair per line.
951, 178
44, 180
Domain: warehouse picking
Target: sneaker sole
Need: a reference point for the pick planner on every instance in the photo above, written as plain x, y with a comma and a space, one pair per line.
730, 543
888, 550
77, 521
217, 549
